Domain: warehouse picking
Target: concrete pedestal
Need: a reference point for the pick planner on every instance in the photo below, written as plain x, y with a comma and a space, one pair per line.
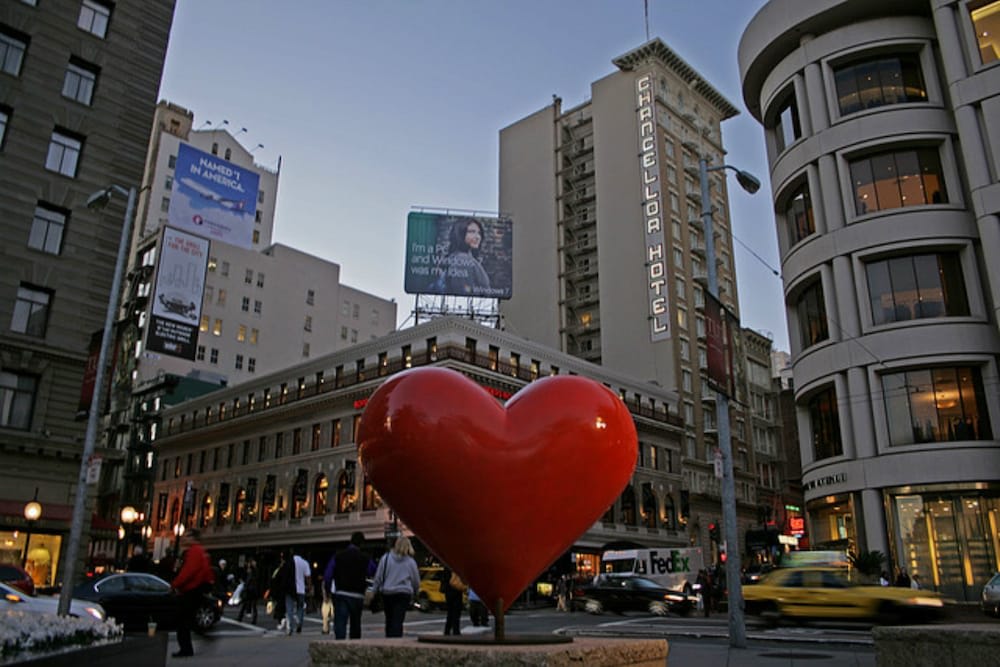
590, 651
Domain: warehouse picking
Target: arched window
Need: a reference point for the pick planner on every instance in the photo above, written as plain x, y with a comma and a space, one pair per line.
240, 505
206, 511
175, 513
371, 499
345, 493
669, 513
609, 516
628, 506
649, 505
319, 495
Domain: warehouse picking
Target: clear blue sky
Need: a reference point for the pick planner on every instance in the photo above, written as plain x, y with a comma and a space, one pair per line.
376, 106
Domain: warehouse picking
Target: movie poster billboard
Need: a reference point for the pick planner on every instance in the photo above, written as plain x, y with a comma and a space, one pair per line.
459, 255
213, 198
180, 281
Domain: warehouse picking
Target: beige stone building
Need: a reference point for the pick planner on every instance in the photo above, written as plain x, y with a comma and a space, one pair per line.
273, 462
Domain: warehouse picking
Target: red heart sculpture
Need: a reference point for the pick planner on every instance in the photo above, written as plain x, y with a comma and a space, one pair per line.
498, 493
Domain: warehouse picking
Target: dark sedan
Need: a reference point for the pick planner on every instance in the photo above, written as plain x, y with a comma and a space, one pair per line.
134, 599
628, 593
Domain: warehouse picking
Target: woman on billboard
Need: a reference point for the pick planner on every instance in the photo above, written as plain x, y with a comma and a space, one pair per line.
463, 274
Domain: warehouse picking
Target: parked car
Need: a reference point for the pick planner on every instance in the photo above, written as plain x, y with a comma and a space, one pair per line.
618, 593
15, 599
991, 596
805, 593
135, 598
17, 576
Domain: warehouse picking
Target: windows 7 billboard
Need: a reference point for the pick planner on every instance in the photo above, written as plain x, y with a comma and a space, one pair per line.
459, 255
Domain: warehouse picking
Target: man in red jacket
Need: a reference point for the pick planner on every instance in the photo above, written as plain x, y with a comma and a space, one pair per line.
191, 583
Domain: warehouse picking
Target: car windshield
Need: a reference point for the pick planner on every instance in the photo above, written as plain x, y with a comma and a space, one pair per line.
146, 583
110, 585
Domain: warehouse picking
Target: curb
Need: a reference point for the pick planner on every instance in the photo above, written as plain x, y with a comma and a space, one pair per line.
785, 639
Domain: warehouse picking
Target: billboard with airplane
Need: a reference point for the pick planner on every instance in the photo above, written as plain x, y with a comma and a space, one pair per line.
180, 282
213, 198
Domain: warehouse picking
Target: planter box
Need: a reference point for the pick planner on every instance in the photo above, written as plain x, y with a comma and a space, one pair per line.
135, 650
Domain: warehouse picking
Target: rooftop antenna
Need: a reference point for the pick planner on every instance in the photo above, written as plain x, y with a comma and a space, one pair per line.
256, 147
645, 4
205, 124
241, 131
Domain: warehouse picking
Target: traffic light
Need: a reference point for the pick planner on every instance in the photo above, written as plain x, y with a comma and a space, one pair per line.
713, 532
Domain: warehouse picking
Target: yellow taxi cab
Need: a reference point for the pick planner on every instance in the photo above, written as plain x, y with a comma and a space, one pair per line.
803, 593
431, 596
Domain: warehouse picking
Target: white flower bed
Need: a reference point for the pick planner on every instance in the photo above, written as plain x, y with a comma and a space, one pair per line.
24, 632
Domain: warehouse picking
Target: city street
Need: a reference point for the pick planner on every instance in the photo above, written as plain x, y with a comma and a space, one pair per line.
693, 641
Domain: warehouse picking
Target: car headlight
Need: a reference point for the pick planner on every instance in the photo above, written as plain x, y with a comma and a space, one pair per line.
926, 602
95, 612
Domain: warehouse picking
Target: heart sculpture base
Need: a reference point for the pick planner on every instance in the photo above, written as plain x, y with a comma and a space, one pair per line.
487, 640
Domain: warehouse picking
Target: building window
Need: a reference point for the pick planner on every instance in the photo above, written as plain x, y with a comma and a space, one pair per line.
356, 310
936, 405
317, 431
876, 82
825, 424
354, 335
4, 119
254, 335
215, 148
257, 307
916, 287
224, 268
229, 153
343, 333
307, 325
203, 326
213, 356
251, 365
245, 304
217, 328
335, 433
213, 264
305, 349
81, 77
786, 123
31, 310
894, 179
64, 153
241, 334
47, 229
279, 445
297, 441
12, 48
986, 21
260, 280
239, 362
310, 297
165, 205
200, 353
94, 17
811, 311
168, 183
17, 400
171, 161
248, 277
799, 215
222, 297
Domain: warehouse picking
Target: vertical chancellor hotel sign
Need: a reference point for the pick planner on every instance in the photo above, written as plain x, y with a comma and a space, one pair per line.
652, 211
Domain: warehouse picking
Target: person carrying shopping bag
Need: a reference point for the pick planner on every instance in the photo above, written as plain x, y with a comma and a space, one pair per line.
398, 580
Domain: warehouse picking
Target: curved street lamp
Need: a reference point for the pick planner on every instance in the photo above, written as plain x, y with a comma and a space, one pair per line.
32, 512
737, 622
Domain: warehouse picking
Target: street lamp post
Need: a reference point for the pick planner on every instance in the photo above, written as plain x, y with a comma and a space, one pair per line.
32, 511
737, 623
96, 200
128, 517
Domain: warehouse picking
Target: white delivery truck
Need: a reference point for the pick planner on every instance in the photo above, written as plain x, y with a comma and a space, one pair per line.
676, 569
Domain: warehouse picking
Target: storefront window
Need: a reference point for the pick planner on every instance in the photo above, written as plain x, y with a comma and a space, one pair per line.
41, 559
832, 523
949, 539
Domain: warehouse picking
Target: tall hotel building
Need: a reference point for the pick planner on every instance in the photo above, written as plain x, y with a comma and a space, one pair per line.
610, 258
882, 122
78, 85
